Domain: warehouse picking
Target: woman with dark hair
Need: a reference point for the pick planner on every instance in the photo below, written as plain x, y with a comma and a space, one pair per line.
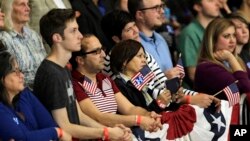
120, 26
23, 117
126, 60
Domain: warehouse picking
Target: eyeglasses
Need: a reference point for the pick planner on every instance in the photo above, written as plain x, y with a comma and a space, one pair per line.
17, 71
96, 51
157, 8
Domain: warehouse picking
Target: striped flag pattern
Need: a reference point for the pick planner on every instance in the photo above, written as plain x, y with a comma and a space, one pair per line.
142, 77
88, 85
232, 93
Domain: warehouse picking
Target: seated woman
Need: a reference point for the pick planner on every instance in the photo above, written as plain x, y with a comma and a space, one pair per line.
242, 36
120, 26
219, 66
23, 42
23, 117
126, 60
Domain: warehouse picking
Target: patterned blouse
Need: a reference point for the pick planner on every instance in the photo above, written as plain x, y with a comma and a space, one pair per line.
28, 50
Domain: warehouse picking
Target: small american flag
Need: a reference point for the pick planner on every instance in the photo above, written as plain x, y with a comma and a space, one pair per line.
88, 85
232, 93
142, 77
180, 67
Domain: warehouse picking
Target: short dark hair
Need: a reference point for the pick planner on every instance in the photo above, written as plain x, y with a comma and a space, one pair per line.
114, 22
134, 6
191, 4
55, 22
80, 52
124, 51
6, 62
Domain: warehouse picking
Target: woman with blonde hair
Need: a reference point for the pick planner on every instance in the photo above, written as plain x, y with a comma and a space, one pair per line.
219, 65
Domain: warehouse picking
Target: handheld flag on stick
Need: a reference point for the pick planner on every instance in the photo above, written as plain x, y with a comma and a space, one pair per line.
179, 65
88, 85
142, 77
232, 93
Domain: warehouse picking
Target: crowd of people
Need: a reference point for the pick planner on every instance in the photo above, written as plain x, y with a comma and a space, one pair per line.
97, 69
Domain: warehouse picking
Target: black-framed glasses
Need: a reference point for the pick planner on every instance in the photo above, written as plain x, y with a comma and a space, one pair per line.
157, 8
96, 51
17, 71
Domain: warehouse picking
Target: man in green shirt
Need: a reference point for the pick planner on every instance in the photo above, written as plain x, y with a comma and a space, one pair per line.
191, 36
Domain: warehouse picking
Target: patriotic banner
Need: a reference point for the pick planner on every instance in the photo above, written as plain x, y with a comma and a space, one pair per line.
142, 77
179, 65
232, 93
192, 123
211, 126
88, 85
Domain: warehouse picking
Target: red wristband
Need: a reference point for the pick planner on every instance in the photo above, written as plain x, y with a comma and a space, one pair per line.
60, 133
188, 99
138, 120
105, 134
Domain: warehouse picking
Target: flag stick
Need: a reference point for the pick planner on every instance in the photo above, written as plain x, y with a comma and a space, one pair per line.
217, 93
222, 89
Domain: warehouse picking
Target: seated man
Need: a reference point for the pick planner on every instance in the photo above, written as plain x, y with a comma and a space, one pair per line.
97, 94
53, 84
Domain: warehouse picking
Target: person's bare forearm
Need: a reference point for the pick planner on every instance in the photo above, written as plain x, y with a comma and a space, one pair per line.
77, 131
87, 121
136, 110
83, 132
111, 120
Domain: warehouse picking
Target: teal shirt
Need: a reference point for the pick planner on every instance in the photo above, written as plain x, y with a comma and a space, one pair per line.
190, 42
